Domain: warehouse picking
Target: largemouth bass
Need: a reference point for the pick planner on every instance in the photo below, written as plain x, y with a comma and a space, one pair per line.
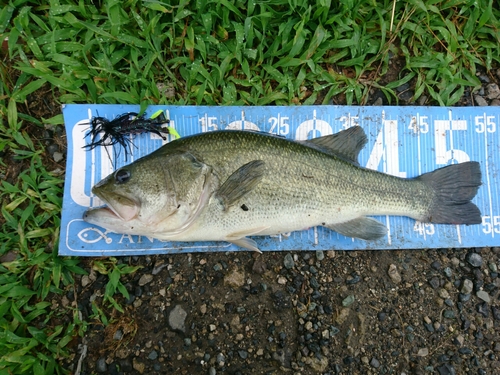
228, 185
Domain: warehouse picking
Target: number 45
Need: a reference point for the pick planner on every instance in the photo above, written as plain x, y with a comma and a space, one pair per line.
424, 228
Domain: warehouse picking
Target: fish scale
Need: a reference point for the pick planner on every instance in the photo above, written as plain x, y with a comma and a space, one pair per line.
308, 180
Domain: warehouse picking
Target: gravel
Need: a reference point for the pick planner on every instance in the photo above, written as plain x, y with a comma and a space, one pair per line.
288, 261
475, 260
481, 294
145, 279
330, 314
101, 365
394, 274
177, 318
467, 286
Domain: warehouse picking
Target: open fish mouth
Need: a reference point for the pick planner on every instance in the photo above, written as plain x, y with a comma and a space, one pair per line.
123, 207
104, 211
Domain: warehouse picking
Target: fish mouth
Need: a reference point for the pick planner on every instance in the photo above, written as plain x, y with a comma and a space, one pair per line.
119, 206
106, 218
103, 211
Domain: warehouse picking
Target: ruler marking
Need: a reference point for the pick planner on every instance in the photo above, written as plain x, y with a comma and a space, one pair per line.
488, 184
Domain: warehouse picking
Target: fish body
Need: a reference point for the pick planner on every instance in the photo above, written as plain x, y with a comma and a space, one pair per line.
228, 185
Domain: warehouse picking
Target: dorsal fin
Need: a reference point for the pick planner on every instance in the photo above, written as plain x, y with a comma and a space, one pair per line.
346, 144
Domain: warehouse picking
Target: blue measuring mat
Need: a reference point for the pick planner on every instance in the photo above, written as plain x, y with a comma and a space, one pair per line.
402, 141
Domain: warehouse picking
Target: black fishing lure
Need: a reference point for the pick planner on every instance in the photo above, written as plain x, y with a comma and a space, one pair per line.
116, 131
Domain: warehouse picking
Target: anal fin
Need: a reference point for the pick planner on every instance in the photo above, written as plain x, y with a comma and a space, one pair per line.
363, 227
240, 239
246, 243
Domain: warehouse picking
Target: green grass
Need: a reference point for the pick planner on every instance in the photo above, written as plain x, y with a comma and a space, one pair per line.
30, 341
224, 52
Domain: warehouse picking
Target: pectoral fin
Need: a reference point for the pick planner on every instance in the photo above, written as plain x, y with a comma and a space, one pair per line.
363, 227
240, 183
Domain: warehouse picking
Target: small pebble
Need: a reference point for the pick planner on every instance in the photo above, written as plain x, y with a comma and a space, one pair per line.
177, 318
449, 314
235, 278
381, 316
423, 352
493, 267
474, 259
375, 363
484, 296
281, 280
434, 283
153, 355
467, 286
288, 261
493, 91
480, 101
348, 301
463, 297
139, 366
85, 280
353, 279
446, 369
158, 267
221, 359
394, 274
145, 279
58, 156
496, 312
447, 271
259, 266
443, 293
482, 308
118, 334
436, 265
52, 148
101, 365
465, 351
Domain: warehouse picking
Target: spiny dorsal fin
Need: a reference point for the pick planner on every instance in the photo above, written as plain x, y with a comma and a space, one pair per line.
347, 143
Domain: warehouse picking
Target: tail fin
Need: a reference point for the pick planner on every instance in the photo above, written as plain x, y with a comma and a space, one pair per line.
454, 187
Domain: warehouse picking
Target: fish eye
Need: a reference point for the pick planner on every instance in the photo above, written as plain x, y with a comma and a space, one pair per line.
122, 176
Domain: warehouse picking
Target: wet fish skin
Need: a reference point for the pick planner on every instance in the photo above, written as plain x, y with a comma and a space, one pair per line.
227, 185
